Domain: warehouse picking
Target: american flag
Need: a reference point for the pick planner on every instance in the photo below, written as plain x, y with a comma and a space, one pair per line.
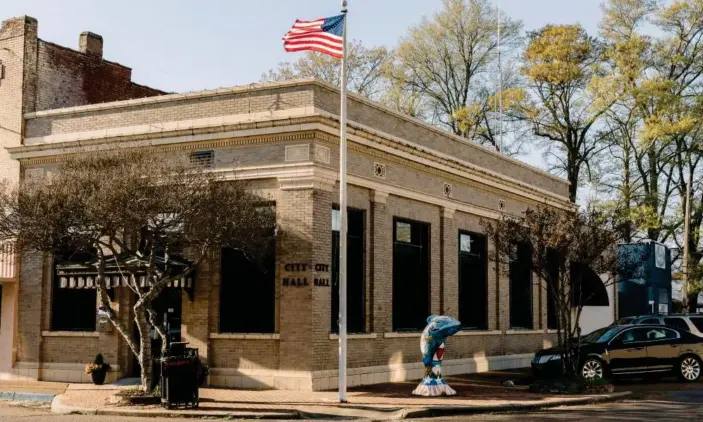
323, 35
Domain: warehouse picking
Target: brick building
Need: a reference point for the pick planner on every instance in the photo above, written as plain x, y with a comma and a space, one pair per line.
416, 197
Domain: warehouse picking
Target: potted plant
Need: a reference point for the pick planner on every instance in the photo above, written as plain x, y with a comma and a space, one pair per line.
97, 370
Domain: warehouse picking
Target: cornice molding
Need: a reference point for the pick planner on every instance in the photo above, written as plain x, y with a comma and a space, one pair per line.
313, 128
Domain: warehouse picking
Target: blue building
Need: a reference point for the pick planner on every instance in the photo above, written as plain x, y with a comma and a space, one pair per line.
644, 279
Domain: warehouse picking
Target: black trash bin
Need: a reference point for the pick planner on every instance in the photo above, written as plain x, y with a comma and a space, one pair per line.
179, 377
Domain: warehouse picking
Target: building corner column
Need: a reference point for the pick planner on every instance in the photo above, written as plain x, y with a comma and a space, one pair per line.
304, 262
449, 289
381, 232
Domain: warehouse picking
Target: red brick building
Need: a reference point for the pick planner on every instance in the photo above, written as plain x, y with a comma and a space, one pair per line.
416, 198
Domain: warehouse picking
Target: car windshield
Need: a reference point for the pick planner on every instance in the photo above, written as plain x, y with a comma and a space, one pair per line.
600, 336
624, 321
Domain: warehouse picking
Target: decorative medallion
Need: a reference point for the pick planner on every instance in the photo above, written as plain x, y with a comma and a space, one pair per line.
447, 190
379, 170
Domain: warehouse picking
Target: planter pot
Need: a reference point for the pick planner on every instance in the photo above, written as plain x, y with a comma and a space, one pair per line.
98, 377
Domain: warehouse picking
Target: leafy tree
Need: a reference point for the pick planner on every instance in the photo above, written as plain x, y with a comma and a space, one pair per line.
569, 93
156, 217
659, 74
365, 67
562, 245
450, 61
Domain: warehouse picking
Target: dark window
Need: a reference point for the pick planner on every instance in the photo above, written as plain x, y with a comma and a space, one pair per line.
651, 321
632, 336
356, 303
661, 334
247, 292
411, 275
473, 281
72, 309
698, 323
552, 289
521, 286
676, 323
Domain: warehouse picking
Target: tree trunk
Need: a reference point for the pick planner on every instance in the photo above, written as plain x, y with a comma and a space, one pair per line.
145, 355
572, 175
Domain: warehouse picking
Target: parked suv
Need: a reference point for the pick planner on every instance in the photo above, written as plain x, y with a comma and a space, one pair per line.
692, 323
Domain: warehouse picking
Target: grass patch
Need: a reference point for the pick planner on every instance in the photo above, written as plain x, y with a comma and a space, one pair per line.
138, 392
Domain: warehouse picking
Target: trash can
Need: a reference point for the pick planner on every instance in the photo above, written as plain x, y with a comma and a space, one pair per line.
179, 377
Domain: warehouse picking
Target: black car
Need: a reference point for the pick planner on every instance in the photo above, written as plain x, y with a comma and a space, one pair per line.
629, 350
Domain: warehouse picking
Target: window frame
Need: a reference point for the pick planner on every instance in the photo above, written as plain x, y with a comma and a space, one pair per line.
484, 252
274, 287
428, 293
58, 294
530, 282
334, 328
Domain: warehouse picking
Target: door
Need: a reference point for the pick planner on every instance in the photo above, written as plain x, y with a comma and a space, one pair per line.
627, 351
663, 347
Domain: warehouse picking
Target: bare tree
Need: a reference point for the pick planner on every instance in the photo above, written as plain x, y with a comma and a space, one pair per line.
365, 67
154, 217
450, 59
564, 247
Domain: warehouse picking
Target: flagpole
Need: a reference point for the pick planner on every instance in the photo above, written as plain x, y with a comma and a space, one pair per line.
343, 218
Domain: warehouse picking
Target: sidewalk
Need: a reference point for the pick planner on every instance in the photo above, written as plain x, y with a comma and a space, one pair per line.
477, 393
31, 390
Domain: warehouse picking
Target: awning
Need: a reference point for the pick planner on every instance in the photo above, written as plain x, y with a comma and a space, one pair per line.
72, 275
588, 285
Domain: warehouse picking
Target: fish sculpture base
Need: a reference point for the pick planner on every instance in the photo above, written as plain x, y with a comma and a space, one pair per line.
432, 347
434, 385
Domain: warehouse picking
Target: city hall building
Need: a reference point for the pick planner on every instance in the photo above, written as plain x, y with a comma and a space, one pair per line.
417, 196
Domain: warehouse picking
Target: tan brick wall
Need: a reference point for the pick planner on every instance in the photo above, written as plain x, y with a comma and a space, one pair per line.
243, 103
31, 307
12, 54
449, 268
295, 210
195, 313
245, 354
359, 112
73, 350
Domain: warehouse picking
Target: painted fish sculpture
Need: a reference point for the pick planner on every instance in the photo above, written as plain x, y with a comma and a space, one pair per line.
432, 347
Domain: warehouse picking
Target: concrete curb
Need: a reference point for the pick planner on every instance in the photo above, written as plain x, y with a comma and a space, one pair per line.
336, 413
20, 396
435, 411
59, 408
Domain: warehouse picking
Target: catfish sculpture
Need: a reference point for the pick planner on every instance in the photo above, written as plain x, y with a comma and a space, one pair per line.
432, 347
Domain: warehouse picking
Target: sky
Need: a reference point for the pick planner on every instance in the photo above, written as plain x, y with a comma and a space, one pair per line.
189, 45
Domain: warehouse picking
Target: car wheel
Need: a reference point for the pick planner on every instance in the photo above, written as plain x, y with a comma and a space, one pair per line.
592, 369
689, 368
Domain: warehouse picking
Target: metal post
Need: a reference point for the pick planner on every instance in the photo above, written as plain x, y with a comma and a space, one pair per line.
500, 87
343, 218
686, 229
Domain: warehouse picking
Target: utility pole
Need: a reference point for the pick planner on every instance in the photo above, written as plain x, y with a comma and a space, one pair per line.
686, 231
